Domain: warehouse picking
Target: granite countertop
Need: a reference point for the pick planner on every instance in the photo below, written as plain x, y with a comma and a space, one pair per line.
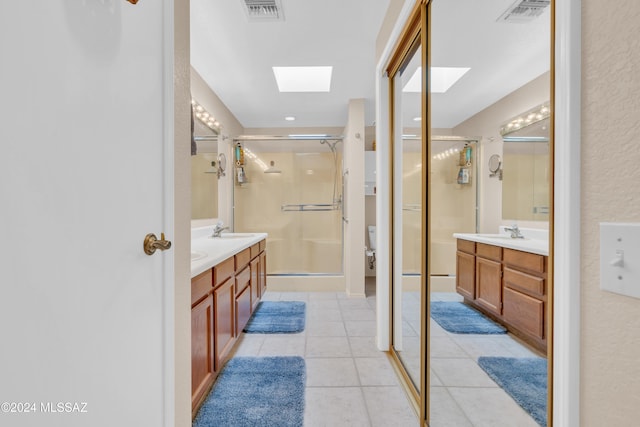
206, 252
535, 241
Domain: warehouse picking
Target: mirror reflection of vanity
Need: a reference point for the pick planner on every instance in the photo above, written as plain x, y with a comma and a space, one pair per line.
525, 167
205, 167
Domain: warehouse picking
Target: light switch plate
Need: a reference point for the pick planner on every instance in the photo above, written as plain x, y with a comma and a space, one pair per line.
620, 258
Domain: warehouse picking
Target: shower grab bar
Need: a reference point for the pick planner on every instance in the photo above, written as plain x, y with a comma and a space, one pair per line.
412, 207
307, 207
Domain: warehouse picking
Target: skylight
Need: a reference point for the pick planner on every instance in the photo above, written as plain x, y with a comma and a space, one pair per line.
303, 79
442, 78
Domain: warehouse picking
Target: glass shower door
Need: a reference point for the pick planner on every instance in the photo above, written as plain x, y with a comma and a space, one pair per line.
292, 192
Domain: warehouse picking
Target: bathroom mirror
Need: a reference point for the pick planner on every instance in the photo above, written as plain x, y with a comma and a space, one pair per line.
526, 174
205, 170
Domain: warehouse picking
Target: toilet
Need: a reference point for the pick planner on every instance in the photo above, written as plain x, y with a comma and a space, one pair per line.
371, 250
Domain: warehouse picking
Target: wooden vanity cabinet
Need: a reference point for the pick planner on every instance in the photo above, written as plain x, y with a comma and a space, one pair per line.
489, 277
222, 301
508, 285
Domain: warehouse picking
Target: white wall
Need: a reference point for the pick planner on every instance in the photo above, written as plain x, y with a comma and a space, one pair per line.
354, 229
610, 389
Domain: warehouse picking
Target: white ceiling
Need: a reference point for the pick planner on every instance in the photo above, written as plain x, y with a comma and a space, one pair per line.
235, 56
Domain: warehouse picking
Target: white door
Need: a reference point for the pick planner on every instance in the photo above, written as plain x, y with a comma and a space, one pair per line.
82, 177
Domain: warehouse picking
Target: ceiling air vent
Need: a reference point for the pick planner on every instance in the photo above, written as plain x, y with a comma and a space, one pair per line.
263, 10
524, 11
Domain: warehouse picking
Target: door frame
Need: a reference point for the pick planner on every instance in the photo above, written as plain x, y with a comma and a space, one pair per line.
566, 80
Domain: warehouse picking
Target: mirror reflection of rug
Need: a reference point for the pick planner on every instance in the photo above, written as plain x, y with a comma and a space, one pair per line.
524, 379
277, 317
256, 391
459, 318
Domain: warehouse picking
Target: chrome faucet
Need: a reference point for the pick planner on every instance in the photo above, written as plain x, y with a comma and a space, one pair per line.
515, 232
218, 229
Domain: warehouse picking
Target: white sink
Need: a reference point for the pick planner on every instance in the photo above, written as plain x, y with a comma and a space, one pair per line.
501, 236
197, 255
234, 236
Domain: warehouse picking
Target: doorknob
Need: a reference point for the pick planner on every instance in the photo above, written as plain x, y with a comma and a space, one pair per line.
151, 243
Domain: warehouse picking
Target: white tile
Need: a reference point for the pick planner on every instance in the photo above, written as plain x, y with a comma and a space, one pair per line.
365, 347
325, 329
359, 314
445, 347
335, 407
445, 412
434, 380
324, 314
323, 304
375, 371
353, 303
491, 407
322, 296
283, 345
461, 372
328, 347
331, 372
388, 406
249, 345
271, 296
360, 328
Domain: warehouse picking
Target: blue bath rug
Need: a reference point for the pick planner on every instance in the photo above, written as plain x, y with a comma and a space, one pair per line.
459, 318
524, 379
277, 317
256, 391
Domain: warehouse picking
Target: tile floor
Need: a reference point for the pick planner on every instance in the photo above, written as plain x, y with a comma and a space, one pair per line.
351, 383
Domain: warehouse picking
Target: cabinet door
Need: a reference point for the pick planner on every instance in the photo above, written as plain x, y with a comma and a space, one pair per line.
524, 312
489, 285
202, 360
255, 282
243, 298
263, 273
224, 321
466, 275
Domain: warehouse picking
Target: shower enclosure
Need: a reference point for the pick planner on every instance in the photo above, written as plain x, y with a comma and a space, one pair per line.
292, 189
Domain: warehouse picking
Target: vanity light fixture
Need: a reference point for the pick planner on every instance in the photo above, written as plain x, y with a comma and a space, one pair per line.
203, 115
530, 117
445, 154
417, 119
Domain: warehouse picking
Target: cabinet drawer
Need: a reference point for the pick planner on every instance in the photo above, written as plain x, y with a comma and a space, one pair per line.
466, 246
524, 312
223, 271
201, 285
524, 282
263, 244
525, 260
243, 278
489, 251
255, 250
243, 258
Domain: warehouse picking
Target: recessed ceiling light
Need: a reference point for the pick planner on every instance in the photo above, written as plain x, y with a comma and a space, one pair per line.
417, 119
290, 118
442, 78
303, 79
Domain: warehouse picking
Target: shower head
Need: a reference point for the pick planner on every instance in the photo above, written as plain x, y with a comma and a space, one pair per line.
332, 146
272, 168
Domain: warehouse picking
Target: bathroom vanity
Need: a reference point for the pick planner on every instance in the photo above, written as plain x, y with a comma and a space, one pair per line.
228, 278
506, 279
